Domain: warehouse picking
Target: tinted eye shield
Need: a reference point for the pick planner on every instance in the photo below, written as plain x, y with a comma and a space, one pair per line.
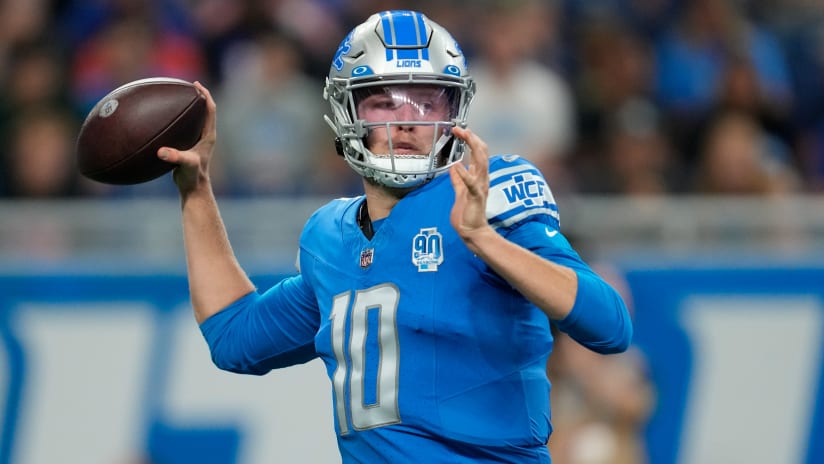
405, 103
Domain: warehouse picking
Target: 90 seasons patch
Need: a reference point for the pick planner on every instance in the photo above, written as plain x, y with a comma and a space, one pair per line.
427, 249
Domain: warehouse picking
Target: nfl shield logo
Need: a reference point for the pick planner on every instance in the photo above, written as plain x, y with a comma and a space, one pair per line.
366, 257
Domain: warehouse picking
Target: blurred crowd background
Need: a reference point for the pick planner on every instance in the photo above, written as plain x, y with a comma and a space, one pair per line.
619, 97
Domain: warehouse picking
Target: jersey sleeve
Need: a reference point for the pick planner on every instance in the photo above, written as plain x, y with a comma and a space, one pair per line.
599, 319
261, 332
522, 208
518, 192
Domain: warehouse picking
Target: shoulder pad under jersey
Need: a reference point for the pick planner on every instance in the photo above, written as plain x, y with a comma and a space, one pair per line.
518, 192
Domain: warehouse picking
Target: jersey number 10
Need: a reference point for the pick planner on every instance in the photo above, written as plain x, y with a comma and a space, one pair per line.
349, 375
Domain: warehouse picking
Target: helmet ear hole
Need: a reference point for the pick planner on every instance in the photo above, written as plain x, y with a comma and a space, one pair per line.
339, 146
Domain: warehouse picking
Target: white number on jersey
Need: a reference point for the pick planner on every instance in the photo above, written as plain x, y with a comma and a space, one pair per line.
384, 299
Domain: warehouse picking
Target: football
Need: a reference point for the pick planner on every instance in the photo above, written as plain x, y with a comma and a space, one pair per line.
118, 141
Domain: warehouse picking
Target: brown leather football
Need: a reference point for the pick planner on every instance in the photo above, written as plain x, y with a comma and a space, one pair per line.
119, 139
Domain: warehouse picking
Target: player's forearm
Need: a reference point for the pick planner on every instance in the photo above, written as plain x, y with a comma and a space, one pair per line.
549, 286
581, 303
215, 277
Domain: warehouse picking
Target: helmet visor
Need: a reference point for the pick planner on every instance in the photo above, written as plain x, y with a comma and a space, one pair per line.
405, 103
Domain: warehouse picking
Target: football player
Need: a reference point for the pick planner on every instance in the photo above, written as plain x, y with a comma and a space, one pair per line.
430, 297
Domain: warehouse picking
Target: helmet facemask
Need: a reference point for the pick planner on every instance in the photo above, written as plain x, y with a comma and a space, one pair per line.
400, 135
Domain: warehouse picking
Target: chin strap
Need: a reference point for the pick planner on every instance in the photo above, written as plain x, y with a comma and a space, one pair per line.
441, 143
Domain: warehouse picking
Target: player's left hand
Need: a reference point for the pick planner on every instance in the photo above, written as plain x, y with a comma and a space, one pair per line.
471, 185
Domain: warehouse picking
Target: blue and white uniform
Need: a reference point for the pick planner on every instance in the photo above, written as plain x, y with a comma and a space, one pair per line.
431, 355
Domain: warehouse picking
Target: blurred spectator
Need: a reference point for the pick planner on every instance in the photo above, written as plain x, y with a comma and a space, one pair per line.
36, 78
220, 25
364, 8
37, 75
319, 30
812, 155
698, 50
27, 64
647, 17
600, 404
650, 18
801, 24
77, 21
736, 157
21, 22
615, 68
622, 146
522, 106
130, 48
635, 158
739, 92
39, 161
271, 121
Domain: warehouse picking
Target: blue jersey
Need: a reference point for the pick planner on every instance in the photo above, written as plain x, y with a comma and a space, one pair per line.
431, 355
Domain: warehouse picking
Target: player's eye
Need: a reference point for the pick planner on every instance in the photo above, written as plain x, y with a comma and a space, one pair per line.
387, 104
379, 103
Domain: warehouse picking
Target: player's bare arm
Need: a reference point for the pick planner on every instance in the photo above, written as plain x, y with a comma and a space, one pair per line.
549, 286
215, 277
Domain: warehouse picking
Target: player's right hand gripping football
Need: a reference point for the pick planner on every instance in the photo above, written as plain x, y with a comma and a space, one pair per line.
193, 164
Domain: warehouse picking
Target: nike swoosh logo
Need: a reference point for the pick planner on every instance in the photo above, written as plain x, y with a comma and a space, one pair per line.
551, 233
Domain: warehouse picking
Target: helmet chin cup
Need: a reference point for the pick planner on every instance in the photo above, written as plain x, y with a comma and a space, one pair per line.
404, 170
397, 48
